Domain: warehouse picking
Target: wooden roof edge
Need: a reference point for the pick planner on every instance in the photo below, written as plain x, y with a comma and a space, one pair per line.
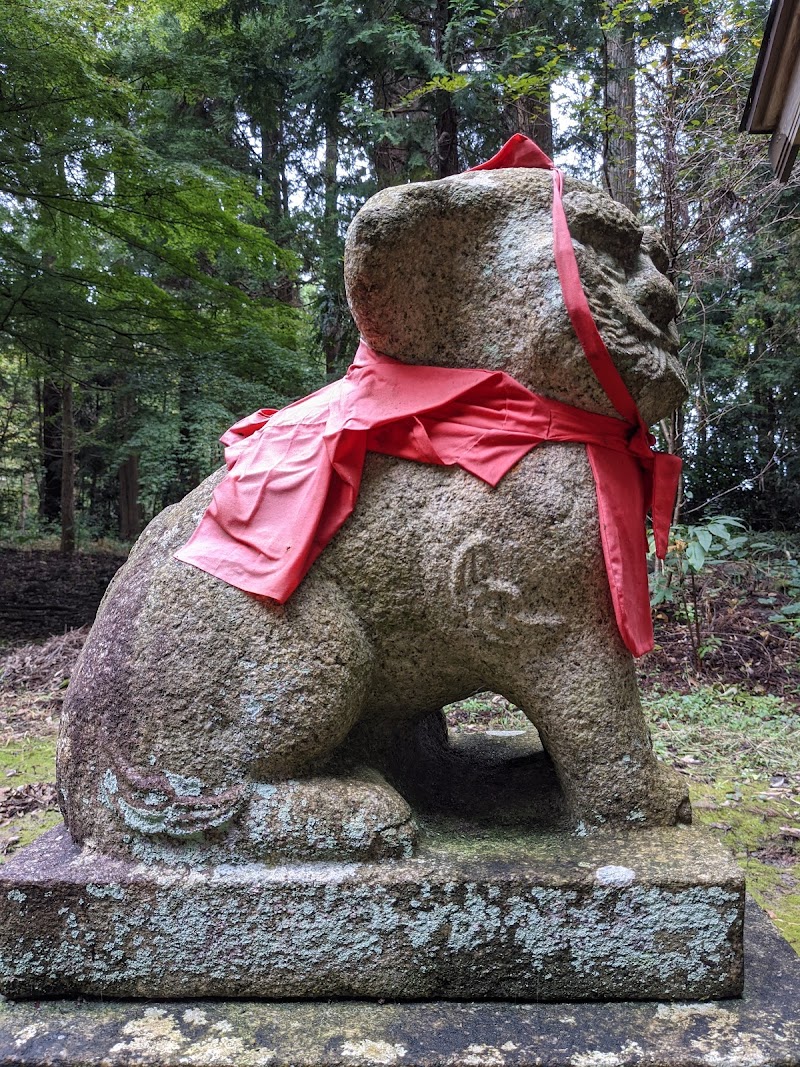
772, 61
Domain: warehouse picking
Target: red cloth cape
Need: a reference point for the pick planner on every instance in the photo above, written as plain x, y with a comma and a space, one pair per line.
294, 475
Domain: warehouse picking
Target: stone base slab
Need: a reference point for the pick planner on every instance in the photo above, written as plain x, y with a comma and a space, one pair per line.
760, 1029
647, 914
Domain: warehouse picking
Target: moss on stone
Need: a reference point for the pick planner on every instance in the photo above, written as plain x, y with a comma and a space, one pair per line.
761, 1028
748, 818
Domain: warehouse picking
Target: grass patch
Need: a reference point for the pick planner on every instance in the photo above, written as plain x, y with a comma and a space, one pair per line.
24, 829
726, 733
27, 761
28, 803
752, 819
485, 711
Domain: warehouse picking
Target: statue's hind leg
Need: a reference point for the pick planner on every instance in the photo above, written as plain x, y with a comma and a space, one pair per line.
205, 735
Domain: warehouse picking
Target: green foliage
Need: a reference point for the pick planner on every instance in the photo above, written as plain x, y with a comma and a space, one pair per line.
691, 548
762, 566
135, 255
177, 178
759, 558
742, 337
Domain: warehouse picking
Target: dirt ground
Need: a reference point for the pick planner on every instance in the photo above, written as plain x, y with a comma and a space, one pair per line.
732, 638
43, 592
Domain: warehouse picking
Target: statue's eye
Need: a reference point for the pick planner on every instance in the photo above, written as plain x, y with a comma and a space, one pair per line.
611, 265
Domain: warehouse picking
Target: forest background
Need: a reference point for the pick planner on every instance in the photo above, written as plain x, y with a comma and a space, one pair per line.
176, 178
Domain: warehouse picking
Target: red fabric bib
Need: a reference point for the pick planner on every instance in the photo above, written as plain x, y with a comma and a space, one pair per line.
294, 475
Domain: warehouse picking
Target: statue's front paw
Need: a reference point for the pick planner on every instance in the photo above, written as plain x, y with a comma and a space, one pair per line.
655, 796
670, 800
169, 806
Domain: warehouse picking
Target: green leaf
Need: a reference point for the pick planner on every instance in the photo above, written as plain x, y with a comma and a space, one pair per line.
704, 536
720, 530
695, 555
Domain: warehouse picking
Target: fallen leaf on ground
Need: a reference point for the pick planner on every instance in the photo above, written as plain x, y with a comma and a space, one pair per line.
38, 796
7, 843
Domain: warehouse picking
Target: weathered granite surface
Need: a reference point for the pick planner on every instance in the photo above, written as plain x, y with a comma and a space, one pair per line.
476, 913
205, 726
762, 1029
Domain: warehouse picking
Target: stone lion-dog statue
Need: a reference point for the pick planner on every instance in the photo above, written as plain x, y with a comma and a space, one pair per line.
204, 722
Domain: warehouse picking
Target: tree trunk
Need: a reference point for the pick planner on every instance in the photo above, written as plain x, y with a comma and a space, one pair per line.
528, 115
446, 129
25, 502
672, 206
678, 421
269, 170
334, 309
130, 517
187, 462
619, 147
534, 120
50, 430
446, 136
670, 234
531, 116
67, 468
390, 160
130, 521
274, 188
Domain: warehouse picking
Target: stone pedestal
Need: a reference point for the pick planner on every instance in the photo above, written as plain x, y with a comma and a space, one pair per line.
499, 914
760, 1029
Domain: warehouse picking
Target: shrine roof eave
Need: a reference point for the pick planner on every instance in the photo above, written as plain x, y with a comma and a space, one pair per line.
773, 102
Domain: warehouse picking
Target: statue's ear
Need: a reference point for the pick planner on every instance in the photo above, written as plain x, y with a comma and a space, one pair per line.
401, 253
425, 264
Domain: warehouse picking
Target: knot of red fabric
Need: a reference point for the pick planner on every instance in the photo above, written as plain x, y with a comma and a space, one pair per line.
294, 475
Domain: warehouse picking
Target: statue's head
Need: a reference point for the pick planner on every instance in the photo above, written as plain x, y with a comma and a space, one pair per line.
461, 273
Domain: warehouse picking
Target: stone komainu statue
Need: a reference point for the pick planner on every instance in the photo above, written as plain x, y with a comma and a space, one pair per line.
206, 723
